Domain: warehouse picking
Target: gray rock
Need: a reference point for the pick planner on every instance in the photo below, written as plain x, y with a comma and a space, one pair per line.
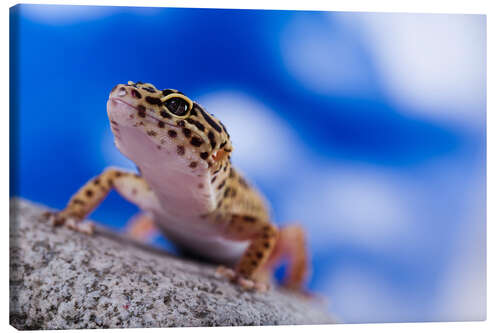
60, 279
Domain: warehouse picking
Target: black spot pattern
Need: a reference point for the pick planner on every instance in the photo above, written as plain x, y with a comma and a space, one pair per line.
195, 141
181, 150
141, 111
211, 138
165, 114
187, 132
135, 93
151, 90
166, 92
196, 123
153, 100
208, 119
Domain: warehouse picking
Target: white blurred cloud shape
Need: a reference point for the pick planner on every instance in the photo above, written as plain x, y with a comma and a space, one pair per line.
435, 64
264, 145
359, 206
360, 296
462, 293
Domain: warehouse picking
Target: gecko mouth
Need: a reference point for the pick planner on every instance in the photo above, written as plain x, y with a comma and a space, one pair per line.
115, 101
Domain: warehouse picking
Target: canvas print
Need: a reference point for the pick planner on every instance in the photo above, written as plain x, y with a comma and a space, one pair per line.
221, 167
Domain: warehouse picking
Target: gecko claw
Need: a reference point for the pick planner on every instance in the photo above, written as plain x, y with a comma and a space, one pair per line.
55, 220
85, 227
223, 271
245, 283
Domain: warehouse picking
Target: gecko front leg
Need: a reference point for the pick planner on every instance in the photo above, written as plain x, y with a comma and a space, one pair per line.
130, 185
263, 236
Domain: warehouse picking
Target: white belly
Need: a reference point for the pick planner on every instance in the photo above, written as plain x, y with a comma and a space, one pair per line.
201, 238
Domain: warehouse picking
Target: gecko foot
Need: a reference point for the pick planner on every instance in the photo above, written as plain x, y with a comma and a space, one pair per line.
56, 219
245, 283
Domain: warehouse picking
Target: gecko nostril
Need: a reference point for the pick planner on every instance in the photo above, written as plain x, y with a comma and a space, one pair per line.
114, 88
122, 92
135, 93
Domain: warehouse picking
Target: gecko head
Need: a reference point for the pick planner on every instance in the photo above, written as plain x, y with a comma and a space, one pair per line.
170, 121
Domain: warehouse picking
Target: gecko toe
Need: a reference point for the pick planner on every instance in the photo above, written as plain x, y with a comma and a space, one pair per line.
53, 218
223, 271
244, 282
86, 228
78, 226
251, 285
56, 219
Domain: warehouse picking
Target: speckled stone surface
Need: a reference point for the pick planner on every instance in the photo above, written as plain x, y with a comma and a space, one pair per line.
60, 280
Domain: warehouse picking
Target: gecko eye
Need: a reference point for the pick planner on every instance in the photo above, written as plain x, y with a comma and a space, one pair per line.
178, 105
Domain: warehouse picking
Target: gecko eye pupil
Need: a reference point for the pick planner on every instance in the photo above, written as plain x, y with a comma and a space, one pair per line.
177, 106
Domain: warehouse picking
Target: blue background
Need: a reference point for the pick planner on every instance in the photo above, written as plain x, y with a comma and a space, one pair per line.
369, 129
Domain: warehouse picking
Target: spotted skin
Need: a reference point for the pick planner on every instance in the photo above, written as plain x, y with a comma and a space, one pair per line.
188, 187
130, 185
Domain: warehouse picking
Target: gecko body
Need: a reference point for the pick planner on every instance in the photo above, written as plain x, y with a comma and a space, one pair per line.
188, 188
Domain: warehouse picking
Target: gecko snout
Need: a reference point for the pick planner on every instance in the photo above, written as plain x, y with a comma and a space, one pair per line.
120, 90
